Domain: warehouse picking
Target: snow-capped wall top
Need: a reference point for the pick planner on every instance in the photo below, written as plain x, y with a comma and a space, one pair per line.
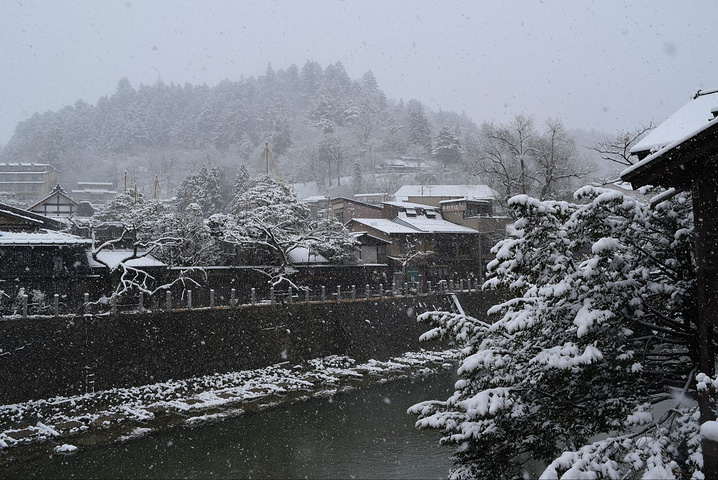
689, 118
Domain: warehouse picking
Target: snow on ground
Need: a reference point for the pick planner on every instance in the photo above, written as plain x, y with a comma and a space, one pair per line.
122, 414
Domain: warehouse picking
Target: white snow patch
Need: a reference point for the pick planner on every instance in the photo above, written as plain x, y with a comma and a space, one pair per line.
709, 430
65, 449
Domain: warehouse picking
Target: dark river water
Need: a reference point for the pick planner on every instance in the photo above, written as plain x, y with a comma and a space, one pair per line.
360, 434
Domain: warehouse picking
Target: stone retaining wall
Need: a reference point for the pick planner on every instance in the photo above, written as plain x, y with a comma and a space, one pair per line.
45, 357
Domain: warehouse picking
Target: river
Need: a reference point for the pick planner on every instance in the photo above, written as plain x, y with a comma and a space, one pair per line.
358, 434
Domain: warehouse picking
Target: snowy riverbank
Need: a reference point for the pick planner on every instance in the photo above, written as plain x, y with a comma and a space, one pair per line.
55, 425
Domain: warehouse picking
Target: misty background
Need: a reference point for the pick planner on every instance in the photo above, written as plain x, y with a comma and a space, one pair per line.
595, 68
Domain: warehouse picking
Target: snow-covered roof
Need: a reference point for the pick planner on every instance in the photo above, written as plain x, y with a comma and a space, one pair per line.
684, 123
105, 184
385, 226
457, 200
43, 237
114, 257
95, 190
682, 126
399, 203
24, 164
467, 191
432, 225
315, 198
304, 255
20, 216
405, 224
24, 182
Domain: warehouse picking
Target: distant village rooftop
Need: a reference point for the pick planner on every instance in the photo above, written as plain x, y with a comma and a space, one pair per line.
431, 224
469, 192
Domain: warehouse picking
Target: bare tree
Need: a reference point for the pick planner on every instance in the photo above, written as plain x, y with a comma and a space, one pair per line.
331, 152
618, 148
557, 162
504, 155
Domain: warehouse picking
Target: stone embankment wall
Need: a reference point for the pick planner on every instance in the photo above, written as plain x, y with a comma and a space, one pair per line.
44, 356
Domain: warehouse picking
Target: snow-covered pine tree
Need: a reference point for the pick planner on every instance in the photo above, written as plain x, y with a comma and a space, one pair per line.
597, 339
206, 187
447, 147
419, 130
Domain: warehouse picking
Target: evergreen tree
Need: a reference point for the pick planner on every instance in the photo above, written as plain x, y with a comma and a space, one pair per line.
419, 129
600, 330
207, 188
357, 179
447, 147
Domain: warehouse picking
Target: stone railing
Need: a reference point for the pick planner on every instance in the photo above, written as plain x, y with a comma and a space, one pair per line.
25, 306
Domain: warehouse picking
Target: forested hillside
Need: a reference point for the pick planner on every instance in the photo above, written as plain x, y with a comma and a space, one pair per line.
320, 125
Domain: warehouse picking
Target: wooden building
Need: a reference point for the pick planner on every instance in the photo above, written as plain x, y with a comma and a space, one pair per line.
56, 204
344, 209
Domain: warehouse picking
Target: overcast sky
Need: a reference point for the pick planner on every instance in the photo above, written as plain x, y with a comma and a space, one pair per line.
602, 65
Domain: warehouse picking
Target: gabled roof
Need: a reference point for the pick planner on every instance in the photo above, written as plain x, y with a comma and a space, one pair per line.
455, 191
56, 192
